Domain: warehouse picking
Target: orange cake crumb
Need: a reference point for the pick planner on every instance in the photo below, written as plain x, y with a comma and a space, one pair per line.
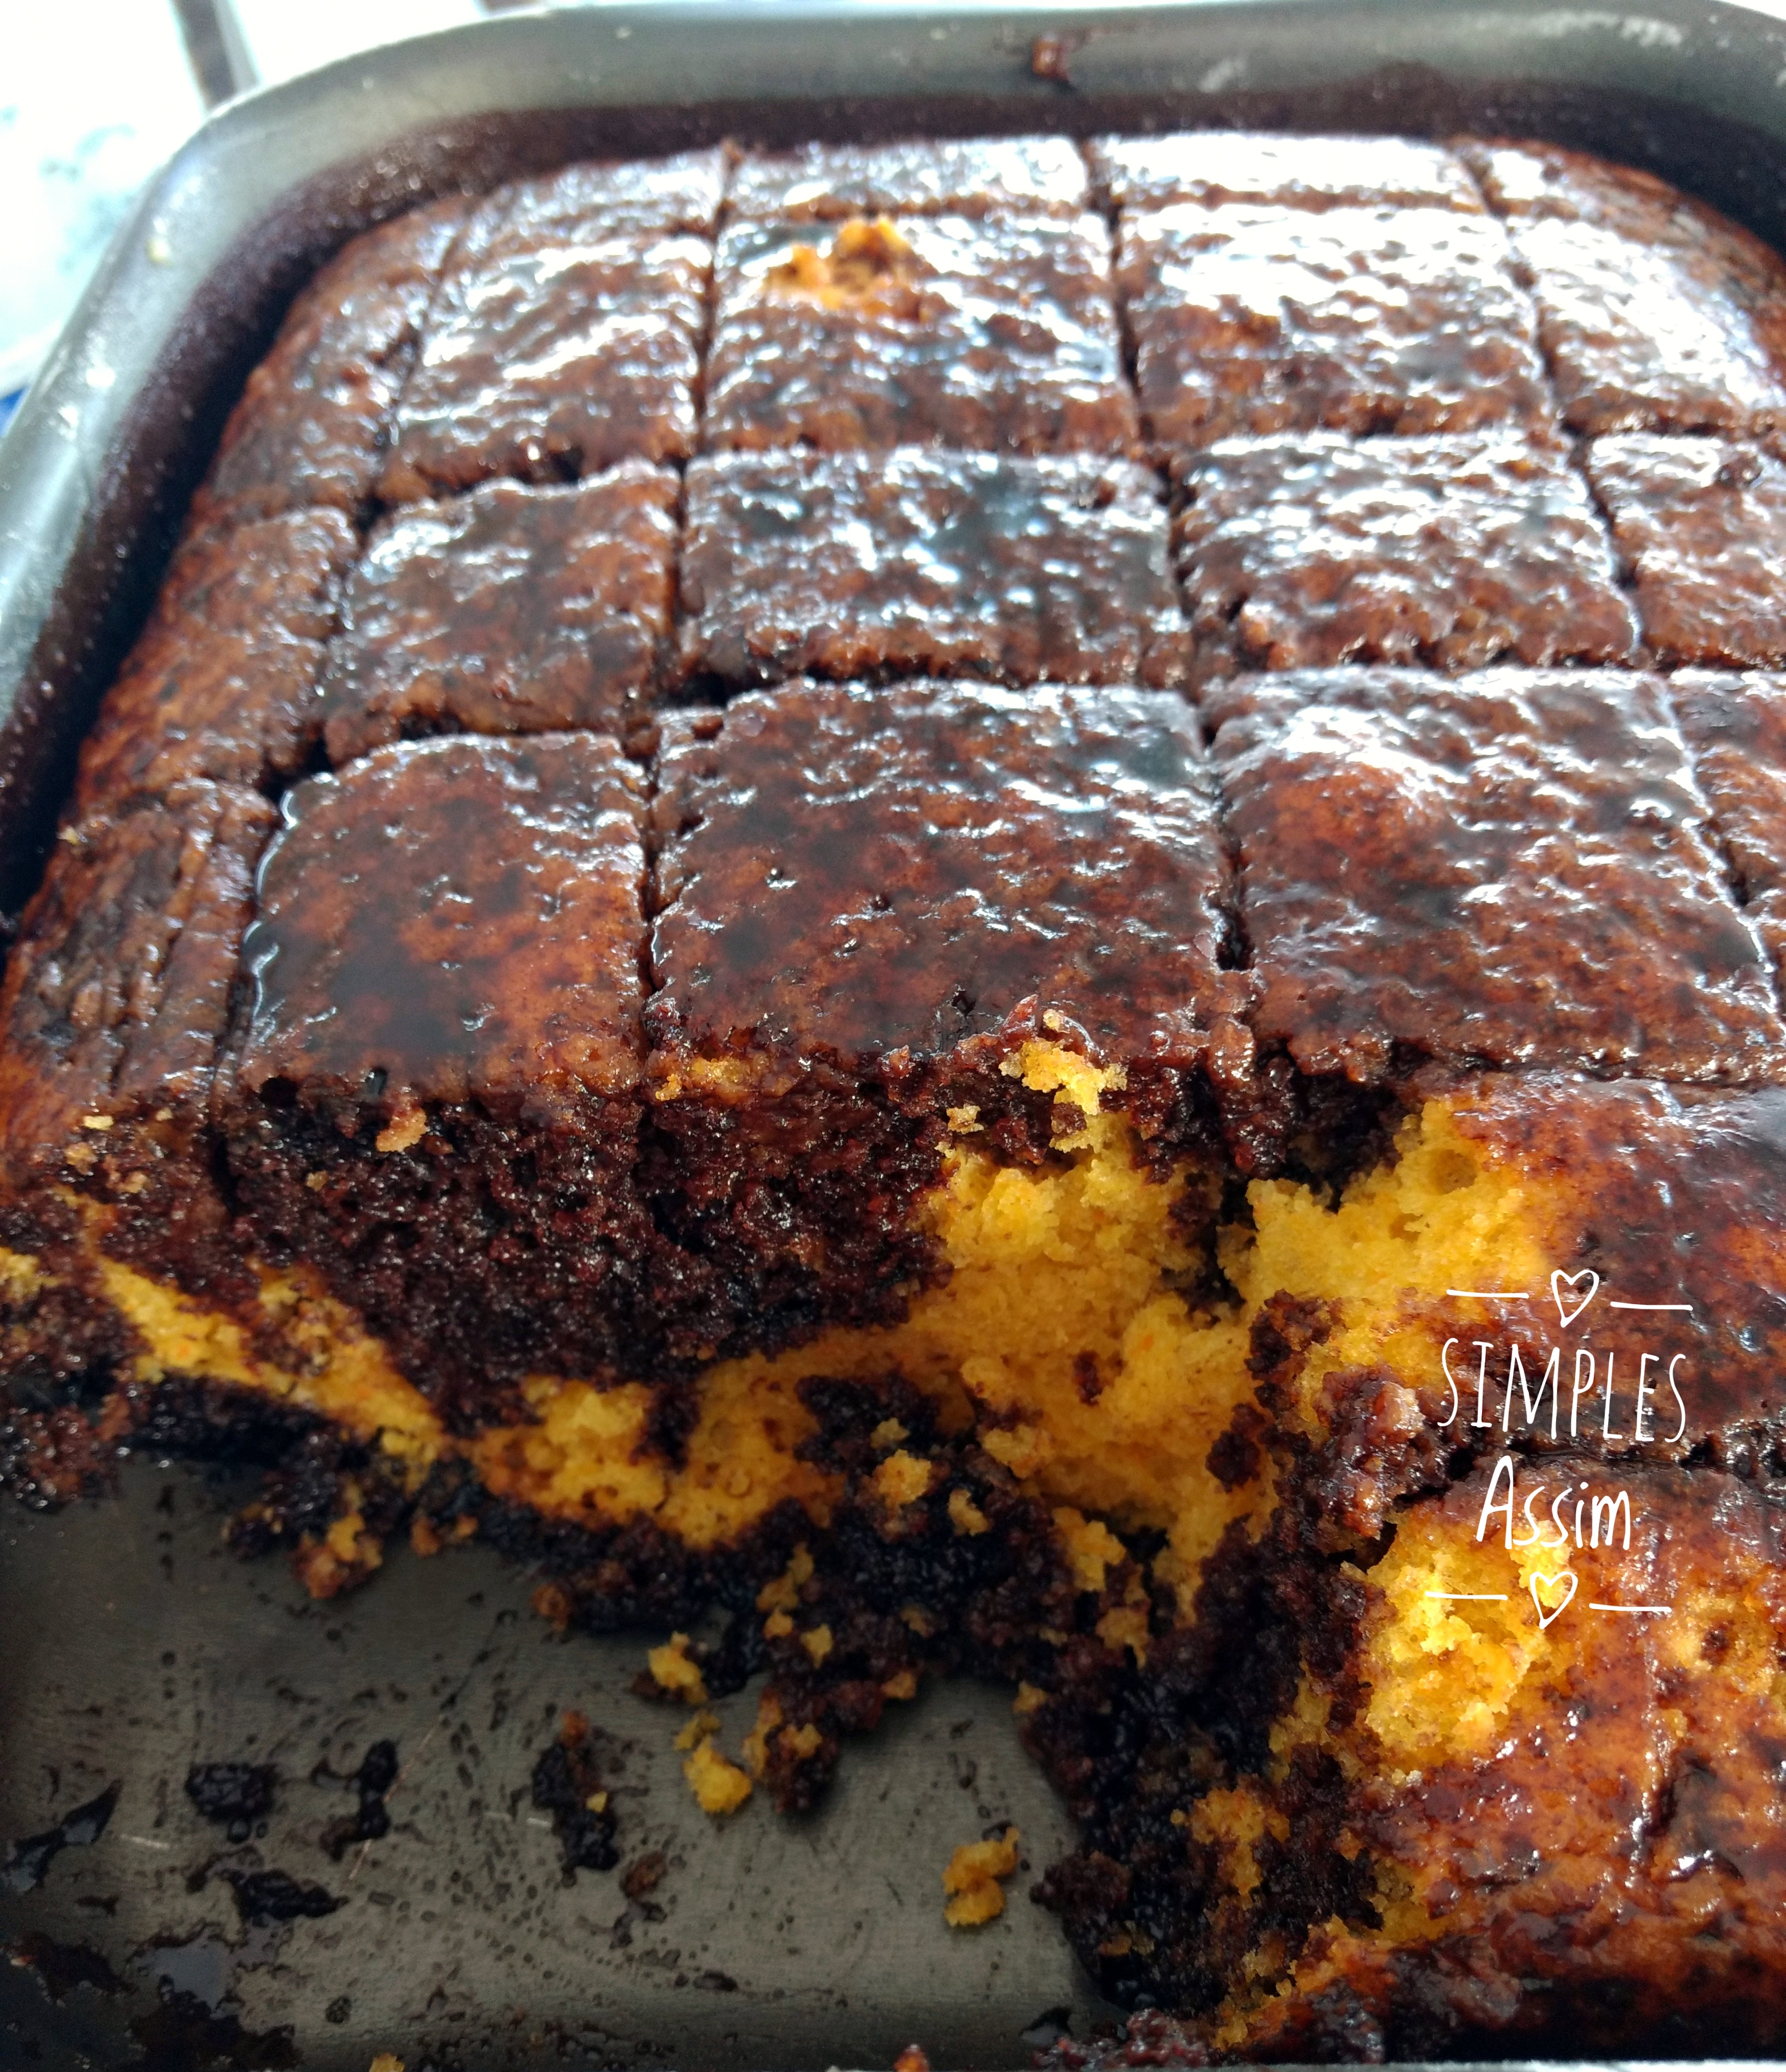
972, 1880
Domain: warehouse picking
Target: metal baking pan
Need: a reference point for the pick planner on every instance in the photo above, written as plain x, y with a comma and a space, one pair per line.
131, 1644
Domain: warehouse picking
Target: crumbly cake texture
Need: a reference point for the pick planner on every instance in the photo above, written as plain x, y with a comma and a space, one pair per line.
873, 910
433, 1099
860, 565
788, 1071
115, 1003
1412, 1775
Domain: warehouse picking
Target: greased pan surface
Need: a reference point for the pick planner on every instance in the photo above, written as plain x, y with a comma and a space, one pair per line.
131, 1645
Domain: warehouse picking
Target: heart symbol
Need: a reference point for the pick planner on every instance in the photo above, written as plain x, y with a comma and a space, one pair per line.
1551, 1583
1559, 1280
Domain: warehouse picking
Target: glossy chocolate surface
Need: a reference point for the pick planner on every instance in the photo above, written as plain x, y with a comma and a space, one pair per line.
508, 610
451, 920
1655, 311
449, 1094
1527, 180
857, 872
565, 335
607, 196
222, 683
1677, 335
1216, 166
996, 334
560, 346
119, 991
1735, 731
957, 176
1702, 523
1672, 1195
310, 426
1514, 868
864, 563
1360, 320
1305, 551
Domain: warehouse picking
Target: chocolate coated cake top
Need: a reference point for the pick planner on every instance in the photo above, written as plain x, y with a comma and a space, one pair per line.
559, 345
958, 176
310, 426
1515, 868
1217, 166
451, 920
1735, 727
512, 610
222, 685
1686, 335
118, 994
1702, 523
867, 871
1253, 319
603, 196
997, 334
1662, 1191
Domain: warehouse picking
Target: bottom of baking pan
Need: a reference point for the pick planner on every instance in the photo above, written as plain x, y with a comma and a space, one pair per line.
135, 1646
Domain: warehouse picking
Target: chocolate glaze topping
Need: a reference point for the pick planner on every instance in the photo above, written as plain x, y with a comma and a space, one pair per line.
1515, 868
860, 871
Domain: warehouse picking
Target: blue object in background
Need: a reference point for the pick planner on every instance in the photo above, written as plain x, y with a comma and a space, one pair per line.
94, 95
8, 404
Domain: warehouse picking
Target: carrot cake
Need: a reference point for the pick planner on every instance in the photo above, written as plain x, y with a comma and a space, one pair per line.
1001, 907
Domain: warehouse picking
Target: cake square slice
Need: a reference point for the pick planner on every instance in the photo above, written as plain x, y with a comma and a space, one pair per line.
1529, 179
509, 611
1676, 325
432, 1095
1255, 319
222, 683
886, 918
565, 337
1702, 523
117, 999
1216, 166
1735, 730
852, 565
996, 334
312, 424
682, 192
955, 176
1513, 868
1309, 550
